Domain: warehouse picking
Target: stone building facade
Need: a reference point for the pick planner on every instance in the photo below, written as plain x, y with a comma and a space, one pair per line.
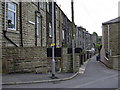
34, 24
11, 31
1, 36
58, 13
26, 29
110, 54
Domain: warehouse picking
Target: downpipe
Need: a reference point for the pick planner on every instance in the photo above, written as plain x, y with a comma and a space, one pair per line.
5, 31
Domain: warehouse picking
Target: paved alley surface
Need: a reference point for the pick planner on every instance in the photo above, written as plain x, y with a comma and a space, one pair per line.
95, 76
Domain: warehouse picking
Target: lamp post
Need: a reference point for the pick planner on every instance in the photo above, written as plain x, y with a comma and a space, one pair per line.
73, 35
53, 53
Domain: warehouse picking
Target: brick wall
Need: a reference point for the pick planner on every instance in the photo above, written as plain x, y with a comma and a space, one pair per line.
27, 59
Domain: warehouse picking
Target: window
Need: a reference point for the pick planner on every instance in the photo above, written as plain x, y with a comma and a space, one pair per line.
38, 25
37, 32
41, 3
47, 5
63, 36
50, 30
12, 16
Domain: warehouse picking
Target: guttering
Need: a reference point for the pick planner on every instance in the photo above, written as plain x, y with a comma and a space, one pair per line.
4, 31
21, 24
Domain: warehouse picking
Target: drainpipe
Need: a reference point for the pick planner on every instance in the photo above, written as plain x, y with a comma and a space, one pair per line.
21, 24
4, 31
109, 40
35, 28
39, 5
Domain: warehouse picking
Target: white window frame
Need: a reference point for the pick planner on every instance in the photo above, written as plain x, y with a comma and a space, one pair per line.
37, 22
63, 34
41, 4
50, 29
14, 11
47, 5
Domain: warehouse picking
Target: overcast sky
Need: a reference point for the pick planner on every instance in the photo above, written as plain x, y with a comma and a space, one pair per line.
90, 14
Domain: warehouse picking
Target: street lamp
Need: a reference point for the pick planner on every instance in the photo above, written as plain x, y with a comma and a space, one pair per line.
53, 44
73, 35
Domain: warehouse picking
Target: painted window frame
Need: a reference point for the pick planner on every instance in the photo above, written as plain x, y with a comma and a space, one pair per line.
37, 25
15, 12
63, 34
48, 9
50, 29
41, 4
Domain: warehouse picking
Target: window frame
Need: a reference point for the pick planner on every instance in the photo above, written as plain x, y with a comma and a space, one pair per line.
37, 26
63, 34
50, 29
15, 12
48, 7
41, 4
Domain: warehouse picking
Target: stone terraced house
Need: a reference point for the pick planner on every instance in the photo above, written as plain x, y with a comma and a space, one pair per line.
26, 31
1, 36
110, 54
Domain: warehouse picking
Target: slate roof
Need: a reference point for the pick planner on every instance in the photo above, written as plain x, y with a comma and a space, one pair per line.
116, 20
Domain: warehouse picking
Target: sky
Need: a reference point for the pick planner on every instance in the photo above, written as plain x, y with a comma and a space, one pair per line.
90, 14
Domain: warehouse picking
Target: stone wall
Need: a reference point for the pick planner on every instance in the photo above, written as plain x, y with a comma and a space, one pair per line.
67, 62
115, 62
58, 27
114, 45
13, 35
113, 38
0, 36
34, 59
77, 62
27, 59
29, 22
43, 14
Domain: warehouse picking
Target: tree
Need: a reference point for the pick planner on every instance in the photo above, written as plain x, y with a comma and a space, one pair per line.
94, 33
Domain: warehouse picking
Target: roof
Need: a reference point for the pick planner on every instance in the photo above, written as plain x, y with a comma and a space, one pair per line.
116, 20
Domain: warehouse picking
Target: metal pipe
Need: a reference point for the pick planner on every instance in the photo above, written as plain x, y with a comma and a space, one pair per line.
108, 39
4, 31
35, 28
73, 34
5, 15
21, 24
53, 57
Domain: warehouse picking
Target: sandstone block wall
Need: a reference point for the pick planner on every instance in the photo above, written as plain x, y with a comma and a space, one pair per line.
27, 59
1, 36
13, 35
